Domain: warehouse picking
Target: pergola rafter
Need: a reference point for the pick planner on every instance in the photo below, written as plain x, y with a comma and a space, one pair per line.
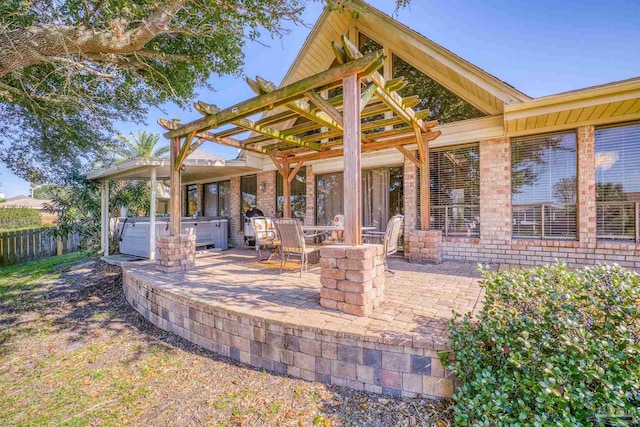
304, 122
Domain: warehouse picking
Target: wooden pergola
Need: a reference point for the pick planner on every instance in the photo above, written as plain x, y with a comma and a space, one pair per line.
311, 125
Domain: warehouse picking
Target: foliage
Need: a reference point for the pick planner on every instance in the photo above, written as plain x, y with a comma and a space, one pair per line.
19, 217
142, 144
551, 347
47, 191
79, 208
443, 105
59, 103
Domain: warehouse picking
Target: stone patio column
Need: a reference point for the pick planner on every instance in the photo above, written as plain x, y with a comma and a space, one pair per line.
175, 253
352, 278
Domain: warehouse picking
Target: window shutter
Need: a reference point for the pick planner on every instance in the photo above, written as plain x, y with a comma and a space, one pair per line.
617, 181
544, 186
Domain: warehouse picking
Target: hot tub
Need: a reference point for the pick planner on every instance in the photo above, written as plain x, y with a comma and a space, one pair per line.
134, 233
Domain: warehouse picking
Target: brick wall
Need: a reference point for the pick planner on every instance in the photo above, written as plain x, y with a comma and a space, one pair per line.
235, 234
267, 197
495, 244
495, 189
310, 214
587, 185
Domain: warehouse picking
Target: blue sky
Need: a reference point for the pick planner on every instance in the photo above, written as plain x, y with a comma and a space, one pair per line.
540, 47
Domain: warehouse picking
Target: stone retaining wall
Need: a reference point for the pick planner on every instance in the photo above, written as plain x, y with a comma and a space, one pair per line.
313, 354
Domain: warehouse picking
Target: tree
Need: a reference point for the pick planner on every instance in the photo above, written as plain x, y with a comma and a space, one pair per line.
70, 68
141, 145
48, 191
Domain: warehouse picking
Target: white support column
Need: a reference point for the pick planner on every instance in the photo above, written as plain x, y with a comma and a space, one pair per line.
152, 217
105, 215
352, 150
103, 234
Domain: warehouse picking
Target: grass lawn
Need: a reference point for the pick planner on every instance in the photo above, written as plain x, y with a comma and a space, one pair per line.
73, 352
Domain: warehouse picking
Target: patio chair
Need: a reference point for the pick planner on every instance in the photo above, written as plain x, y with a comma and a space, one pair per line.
389, 238
266, 234
292, 242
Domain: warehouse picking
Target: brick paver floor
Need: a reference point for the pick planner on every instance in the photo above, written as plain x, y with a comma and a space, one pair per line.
420, 298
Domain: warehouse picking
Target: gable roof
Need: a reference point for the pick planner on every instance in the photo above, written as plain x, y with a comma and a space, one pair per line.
474, 85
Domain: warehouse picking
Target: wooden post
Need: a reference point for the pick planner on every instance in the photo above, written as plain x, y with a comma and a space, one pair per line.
286, 192
175, 171
352, 174
152, 216
425, 198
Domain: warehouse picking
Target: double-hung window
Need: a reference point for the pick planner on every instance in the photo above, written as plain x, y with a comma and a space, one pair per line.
544, 187
618, 182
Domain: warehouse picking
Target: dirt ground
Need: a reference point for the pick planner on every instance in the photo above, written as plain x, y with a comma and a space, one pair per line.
73, 352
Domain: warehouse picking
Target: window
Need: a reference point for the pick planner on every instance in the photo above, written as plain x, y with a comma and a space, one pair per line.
618, 182
455, 190
298, 194
382, 196
191, 199
443, 105
544, 187
248, 194
329, 197
217, 201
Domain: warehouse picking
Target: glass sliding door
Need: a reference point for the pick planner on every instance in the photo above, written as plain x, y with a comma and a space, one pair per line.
382, 196
191, 199
329, 197
248, 194
216, 198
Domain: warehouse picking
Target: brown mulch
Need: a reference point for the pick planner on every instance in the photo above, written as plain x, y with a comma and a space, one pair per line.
74, 352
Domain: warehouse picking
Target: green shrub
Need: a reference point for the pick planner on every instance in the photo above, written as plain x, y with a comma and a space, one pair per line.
17, 217
552, 347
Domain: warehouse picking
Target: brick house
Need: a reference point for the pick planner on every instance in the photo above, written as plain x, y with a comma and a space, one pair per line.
513, 179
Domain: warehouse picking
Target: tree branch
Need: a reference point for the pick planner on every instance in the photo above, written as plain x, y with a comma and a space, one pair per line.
38, 43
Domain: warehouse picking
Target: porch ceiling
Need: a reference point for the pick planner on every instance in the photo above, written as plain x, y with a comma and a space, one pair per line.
195, 169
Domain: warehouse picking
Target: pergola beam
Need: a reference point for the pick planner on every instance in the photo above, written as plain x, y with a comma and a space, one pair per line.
280, 96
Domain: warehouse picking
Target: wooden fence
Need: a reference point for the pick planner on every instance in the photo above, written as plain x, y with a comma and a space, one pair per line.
29, 245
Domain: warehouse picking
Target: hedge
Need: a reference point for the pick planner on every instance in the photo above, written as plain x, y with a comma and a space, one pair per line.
551, 347
17, 217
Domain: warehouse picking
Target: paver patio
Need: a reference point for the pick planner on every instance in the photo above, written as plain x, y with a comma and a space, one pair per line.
420, 298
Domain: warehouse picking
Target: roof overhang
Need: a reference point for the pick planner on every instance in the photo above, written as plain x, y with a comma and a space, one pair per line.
599, 105
195, 169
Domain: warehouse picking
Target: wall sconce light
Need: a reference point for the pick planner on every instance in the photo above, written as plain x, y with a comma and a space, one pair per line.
263, 186
183, 168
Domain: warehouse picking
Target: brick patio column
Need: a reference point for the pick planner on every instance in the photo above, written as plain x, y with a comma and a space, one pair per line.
495, 190
266, 198
352, 278
586, 185
410, 198
310, 212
